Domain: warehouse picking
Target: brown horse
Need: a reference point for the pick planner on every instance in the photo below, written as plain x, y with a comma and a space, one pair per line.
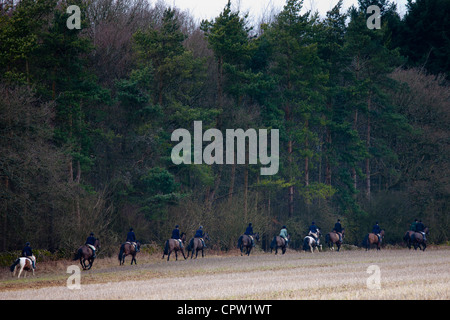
332, 238
245, 242
126, 249
85, 253
195, 245
174, 245
279, 242
418, 241
372, 239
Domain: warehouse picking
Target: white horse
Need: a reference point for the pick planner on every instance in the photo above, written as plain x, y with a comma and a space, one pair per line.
23, 263
310, 243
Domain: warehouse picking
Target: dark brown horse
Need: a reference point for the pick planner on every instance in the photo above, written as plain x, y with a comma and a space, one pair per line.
85, 253
279, 242
195, 245
372, 239
174, 245
126, 249
332, 238
245, 242
418, 240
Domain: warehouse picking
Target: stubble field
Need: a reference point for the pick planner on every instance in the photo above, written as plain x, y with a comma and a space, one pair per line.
403, 274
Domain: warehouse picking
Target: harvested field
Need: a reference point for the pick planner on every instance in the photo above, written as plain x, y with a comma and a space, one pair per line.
404, 274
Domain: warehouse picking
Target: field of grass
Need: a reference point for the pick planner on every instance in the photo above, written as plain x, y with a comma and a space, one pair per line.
403, 274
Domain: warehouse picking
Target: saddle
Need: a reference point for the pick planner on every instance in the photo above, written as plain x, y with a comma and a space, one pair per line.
92, 247
134, 244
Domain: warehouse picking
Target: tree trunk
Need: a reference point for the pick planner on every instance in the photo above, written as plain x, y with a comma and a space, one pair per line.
306, 158
368, 147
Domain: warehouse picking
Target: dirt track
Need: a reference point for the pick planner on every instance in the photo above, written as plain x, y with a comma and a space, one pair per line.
326, 275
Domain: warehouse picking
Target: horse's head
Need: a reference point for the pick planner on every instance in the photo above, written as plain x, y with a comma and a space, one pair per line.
206, 237
382, 233
426, 230
138, 245
183, 236
256, 236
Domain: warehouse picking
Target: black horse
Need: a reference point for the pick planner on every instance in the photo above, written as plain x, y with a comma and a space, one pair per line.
85, 253
245, 242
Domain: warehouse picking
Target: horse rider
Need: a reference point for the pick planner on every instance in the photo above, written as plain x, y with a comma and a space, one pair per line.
338, 229
249, 232
377, 229
284, 234
90, 242
413, 225
131, 238
200, 234
313, 231
420, 227
176, 235
27, 252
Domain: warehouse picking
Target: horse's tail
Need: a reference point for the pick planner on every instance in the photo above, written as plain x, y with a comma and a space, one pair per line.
239, 242
273, 244
77, 254
121, 252
14, 265
365, 242
190, 245
406, 237
327, 238
166, 247
305, 244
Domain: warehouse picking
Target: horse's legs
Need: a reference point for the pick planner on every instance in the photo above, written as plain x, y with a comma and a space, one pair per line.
21, 269
203, 253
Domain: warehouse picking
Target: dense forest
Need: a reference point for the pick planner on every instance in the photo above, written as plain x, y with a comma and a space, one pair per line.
86, 118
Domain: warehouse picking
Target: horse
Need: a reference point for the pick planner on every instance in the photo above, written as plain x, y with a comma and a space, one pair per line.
310, 243
245, 242
195, 245
85, 253
126, 249
279, 242
417, 239
333, 238
23, 263
174, 245
372, 238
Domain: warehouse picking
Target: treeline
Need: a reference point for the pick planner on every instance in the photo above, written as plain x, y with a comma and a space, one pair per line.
87, 116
